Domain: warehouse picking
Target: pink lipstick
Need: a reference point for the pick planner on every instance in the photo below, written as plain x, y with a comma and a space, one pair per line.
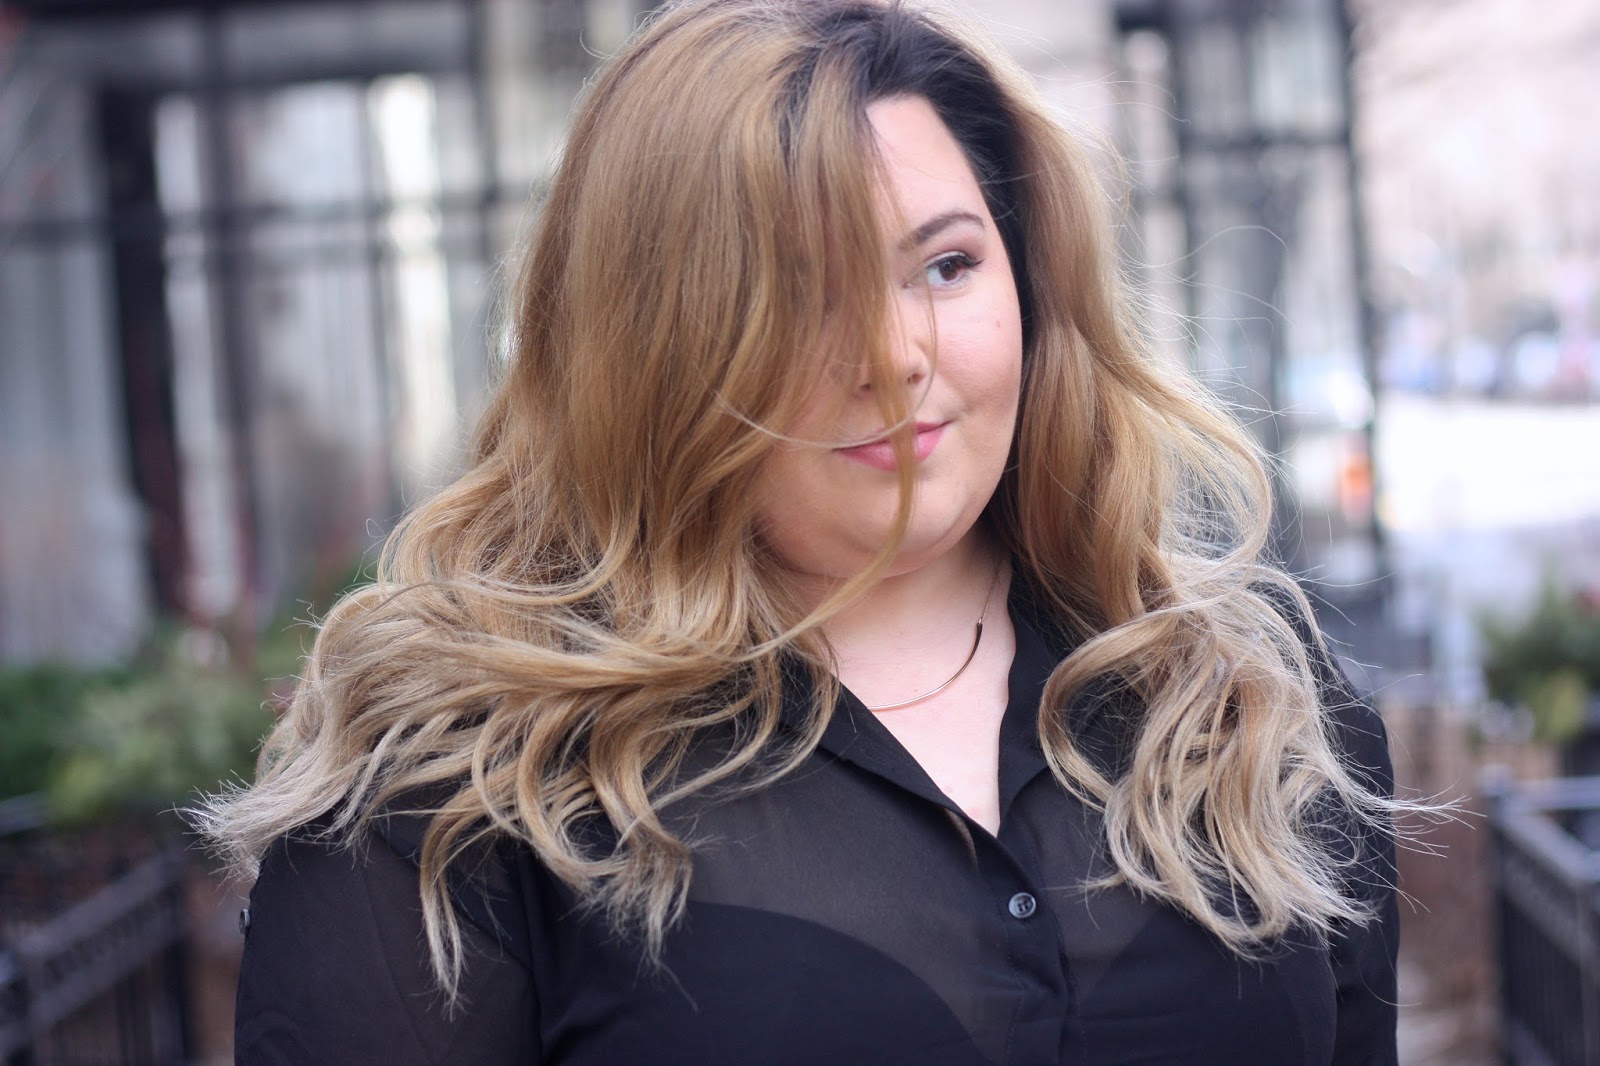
880, 453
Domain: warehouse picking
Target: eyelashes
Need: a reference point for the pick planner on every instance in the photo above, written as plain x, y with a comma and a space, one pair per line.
949, 271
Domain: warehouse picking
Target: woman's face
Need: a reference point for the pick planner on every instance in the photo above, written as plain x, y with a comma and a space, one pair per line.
955, 331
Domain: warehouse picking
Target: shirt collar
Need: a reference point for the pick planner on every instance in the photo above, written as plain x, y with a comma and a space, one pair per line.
1021, 756
855, 735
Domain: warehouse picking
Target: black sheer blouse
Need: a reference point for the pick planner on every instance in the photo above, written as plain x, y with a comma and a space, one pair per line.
850, 913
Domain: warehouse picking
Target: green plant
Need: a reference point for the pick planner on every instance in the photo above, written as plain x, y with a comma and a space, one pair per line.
1548, 661
187, 714
146, 745
39, 710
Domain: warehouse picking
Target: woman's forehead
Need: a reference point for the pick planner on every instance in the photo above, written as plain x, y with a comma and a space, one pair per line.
926, 180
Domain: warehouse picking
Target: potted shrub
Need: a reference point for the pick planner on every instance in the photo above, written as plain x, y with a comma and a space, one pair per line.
1549, 663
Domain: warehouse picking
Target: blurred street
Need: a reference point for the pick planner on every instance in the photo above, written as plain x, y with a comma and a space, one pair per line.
1480, 498
1473, 466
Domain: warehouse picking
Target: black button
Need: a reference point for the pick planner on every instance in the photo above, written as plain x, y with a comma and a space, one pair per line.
1022, 905
244, 921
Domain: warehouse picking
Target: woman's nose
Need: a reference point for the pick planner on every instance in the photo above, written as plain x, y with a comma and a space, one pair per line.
909, 344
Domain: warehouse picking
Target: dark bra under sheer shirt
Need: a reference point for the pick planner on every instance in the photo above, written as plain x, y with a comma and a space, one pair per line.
849, 914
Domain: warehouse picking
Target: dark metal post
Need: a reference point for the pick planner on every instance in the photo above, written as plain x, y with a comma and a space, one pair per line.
136, 237
1495, 784
1181, 108
237, 354
177, 962
14, 1010
483, 114
372, 220
1361, 261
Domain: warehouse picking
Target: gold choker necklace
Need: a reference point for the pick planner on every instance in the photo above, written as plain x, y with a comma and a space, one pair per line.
977, 638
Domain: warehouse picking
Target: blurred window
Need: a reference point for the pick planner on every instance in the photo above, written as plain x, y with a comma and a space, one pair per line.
246, 267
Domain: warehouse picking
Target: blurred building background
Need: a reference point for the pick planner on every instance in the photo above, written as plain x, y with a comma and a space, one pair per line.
249, 258
250, 254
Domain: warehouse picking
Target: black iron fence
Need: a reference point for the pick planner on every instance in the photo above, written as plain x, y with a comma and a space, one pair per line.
1545, 859
99, 980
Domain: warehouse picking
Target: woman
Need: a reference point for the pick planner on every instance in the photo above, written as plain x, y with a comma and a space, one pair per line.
848, 646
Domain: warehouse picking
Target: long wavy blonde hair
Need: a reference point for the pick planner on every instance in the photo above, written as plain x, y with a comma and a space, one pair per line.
550, 634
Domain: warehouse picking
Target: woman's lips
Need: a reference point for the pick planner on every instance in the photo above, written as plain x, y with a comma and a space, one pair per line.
880, 453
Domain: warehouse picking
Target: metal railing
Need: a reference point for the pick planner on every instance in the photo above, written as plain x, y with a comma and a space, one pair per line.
1545, 863
102, 981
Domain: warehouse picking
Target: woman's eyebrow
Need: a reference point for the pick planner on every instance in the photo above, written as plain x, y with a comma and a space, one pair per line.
937, 224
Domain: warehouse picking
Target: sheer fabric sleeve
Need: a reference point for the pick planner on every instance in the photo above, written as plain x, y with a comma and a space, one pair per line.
335, 970
1363, 957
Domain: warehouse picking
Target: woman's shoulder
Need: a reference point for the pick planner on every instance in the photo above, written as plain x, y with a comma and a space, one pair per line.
336, 958
379, 866
496, 883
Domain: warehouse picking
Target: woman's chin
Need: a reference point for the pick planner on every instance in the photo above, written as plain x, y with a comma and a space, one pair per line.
928, 543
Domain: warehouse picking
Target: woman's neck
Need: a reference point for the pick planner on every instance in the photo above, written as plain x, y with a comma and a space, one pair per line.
918, 623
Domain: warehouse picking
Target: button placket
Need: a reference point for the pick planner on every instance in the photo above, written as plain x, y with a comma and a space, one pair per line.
1046, 995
